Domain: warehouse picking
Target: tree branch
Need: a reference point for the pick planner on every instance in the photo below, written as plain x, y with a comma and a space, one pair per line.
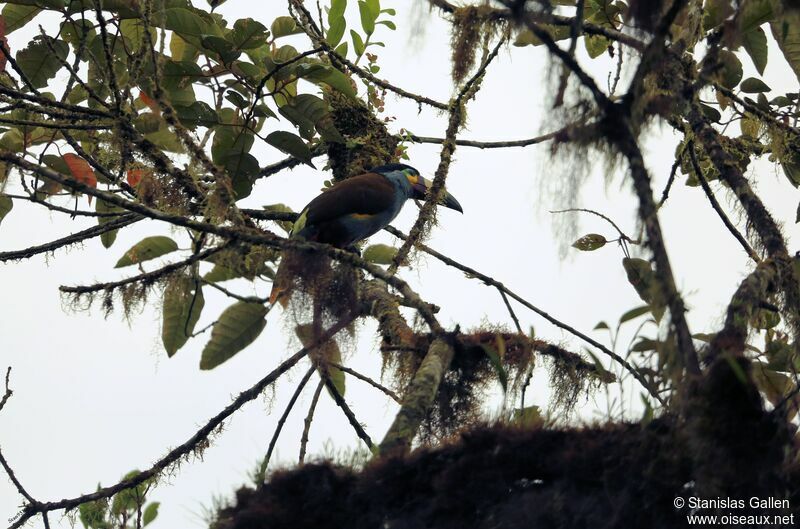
715, 205
262, 473
418, 398
81, 236
191, 445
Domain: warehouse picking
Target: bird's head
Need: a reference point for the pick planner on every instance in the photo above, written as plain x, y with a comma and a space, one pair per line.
419, 185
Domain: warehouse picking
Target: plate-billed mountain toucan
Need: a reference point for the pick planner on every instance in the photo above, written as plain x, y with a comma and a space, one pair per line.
358, 207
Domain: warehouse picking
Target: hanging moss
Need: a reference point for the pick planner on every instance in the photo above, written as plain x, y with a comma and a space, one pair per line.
472, 374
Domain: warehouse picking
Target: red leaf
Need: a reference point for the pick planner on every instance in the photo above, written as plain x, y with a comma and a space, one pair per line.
81, 171
150, 102
3, 43
135, 176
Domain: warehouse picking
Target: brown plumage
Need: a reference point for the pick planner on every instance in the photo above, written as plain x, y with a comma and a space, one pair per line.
366, 194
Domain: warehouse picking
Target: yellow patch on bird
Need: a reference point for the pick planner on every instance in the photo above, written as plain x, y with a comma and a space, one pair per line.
360, 215
300, 223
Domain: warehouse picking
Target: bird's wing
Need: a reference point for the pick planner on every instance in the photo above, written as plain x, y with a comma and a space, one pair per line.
366, 194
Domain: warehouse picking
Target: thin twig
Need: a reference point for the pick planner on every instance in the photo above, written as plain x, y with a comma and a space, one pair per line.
262, 473
247, 299
448, 148
15, 481
191, 445
498, 285
351, 418
147, 277
8, 392
75, 238
698, 171
307, 422
366, 379
492, 144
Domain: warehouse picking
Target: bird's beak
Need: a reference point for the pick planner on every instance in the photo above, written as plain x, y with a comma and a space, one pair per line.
448, 201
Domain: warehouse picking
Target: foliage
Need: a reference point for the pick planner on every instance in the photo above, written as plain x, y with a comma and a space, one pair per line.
153, 110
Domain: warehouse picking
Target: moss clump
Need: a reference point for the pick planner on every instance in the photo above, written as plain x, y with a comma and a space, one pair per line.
367, 144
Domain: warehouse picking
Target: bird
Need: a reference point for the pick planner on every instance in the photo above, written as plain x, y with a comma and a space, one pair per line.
356, 208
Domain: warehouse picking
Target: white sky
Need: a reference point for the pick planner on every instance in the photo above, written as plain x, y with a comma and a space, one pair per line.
95, 398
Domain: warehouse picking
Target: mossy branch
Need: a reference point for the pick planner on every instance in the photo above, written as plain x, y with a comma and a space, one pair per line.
418, 398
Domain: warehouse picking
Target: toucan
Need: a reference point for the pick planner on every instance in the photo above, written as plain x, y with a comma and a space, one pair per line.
358, 207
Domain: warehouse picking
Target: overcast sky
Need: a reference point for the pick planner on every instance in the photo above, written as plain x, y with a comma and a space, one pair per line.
95, 398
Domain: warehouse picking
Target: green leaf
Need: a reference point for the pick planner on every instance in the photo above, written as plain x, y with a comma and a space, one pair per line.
710, 112
237, 99
129, 500
600, 326
716, 11
764, 319
248, 34
322, 73
755, 44
754, 13
495, 357
221, 273
775, 386
102, 206
243, 169
337, 9
147, 122
731, 72
527, 38
222, 48
291, 144
596, 45
165, 139
16, 16
284, 26
644, 345
38, 63
229, 141
150, 512
197, 114
238, 326
381, 254
336, 31
6, 205
188, 23
367, 17
640, 275
752, 85
183, 304
310, 113
93, 514
786, 31
634, 313
146, 249
529, 417
181, 50
336, 22
358, 44
323, 356
281, 208
590, 242
336, 375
